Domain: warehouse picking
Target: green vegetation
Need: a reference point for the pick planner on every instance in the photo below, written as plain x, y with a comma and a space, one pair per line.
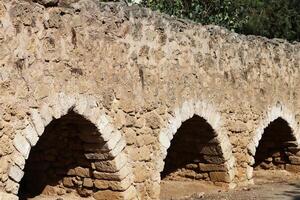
270, 18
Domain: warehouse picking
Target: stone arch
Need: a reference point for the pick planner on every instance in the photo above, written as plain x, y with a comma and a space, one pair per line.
114, 169
205, 111
276, 114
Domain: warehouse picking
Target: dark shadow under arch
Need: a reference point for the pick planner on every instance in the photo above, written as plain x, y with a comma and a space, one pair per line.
273, 149
194, 153
57, 164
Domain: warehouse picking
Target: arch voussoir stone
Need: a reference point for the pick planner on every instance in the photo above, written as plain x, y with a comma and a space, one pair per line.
22, 145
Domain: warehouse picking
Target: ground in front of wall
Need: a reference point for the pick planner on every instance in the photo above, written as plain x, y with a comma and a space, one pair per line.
70, 196
269, 185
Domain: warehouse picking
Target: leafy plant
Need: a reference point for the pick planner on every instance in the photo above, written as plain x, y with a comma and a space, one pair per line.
270, 18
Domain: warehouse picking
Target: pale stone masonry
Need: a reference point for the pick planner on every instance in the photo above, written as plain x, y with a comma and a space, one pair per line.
122, 81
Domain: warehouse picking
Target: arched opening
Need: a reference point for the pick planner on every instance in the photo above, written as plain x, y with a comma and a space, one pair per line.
195, 155
277, 149
57, 164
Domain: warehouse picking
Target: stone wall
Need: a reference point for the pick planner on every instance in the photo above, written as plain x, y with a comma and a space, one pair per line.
137, 76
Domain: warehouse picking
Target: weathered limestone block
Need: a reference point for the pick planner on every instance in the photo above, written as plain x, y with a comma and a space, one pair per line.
120, 119
220, 177
11, 186
164, 140
88, 182
114, 185
31, 135
140, 174
249, 172
46, 114
22, 145
111, 144
37, 121
114, 176
81, 105
139, 154
109, 194
211, 150
111, 165
211, 167
214, 159
15, 173
4, 167
153, 120
108, 155
82, 172
230, 163
192, 166
6, 196
68, 182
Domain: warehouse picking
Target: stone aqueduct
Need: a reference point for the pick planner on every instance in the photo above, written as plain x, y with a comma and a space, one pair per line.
104, 98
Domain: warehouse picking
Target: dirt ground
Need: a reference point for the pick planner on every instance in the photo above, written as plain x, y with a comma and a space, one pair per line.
63, 197
269, 185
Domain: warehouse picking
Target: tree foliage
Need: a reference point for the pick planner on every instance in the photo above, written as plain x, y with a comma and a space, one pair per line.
270, 18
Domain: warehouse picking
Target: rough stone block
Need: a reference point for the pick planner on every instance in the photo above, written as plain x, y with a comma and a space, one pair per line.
164, 140
140, 173
11, 186
19, 160
220, 177
211, 167
37, 121
82, 172
111, 165
129, 194
31, 135
114, 185
16, 173
214, 159
7, 196
101, 184
249, 172
108, 155
211, 150
22, 145
191, 166
68, 182
108, 195
46, 114
115, 176
81, 105
88, 182
113, 141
